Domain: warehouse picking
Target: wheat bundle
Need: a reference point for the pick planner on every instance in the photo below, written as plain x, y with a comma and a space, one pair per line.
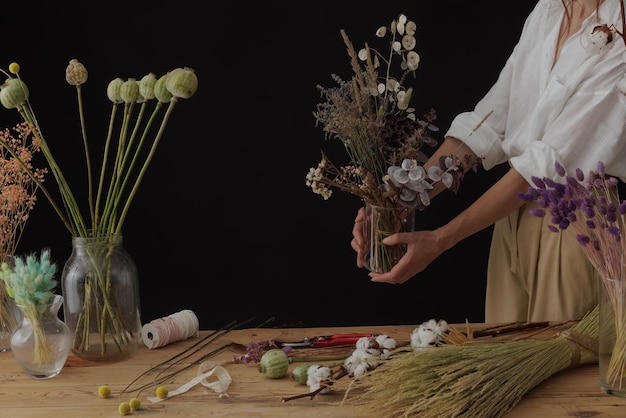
473, 380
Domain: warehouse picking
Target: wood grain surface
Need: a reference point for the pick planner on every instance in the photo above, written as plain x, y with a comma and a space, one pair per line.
73, 393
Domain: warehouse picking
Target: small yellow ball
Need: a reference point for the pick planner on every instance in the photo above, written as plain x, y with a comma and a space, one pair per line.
14, 68
124, 408
162, 392
135, 404
104, 391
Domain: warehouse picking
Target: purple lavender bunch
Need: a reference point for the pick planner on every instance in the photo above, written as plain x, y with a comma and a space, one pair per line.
590, 206
256, 349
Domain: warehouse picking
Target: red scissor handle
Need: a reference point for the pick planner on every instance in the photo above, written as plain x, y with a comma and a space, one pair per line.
338, 339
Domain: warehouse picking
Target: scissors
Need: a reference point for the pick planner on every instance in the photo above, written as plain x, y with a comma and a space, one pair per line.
327, 340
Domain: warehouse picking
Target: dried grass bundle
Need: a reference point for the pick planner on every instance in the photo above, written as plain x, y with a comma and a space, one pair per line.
472, 380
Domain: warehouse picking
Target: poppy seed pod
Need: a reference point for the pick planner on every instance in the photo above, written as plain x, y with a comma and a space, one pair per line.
161, 92
13, 93
113, 90
129, 91
146, 86
75, 73
182, 82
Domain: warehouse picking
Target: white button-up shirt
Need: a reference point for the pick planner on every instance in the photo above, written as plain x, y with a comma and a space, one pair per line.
569, 111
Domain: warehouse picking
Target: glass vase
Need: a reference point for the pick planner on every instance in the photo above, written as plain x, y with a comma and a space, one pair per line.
101, 288
612, 336
380, 222
10, 318
42, 342
10, 314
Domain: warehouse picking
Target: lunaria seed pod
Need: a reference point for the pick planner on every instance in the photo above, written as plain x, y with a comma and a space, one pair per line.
182, 82
129, 91
113, 90
13, 93
75, 73
161, 92
146, 86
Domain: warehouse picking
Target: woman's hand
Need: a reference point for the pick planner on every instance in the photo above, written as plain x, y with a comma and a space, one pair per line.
422, 249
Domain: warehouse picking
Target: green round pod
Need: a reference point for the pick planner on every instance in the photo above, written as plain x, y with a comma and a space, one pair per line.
299, 373
13, 93
129, 91
146, 86
161, 92
274, 364
182, 82
113, 90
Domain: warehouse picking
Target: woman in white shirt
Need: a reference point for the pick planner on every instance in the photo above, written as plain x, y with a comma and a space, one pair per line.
556, 99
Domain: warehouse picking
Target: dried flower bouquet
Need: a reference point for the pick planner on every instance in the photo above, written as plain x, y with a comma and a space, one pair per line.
371, 115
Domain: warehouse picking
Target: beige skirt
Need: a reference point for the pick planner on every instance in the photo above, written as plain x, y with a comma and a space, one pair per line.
535, 274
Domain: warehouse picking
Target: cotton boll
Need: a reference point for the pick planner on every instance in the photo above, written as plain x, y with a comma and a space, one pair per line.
360, 370
363, 343
351, 363
316, 375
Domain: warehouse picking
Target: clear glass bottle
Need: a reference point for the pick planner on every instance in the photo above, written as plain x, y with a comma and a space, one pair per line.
10, 318
42, 342
100, 285
10, 314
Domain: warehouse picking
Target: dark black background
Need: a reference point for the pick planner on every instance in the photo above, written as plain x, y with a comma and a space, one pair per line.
223, 223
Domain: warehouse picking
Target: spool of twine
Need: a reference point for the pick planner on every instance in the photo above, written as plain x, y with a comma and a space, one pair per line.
175, 327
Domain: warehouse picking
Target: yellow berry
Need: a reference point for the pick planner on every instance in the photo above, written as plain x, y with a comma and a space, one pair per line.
14, 68
104, 391
135, 404
161, 392
124, 408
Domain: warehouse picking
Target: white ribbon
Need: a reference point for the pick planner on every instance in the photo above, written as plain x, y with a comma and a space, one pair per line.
219, 385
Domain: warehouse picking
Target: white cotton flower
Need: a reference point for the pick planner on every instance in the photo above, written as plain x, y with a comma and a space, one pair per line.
316, 375
600, 38
441, 327
380, 339
428, 334
351, 363
360, 370
363, 343
386, 344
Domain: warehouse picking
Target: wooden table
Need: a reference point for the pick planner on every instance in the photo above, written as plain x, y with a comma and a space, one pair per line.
73, 393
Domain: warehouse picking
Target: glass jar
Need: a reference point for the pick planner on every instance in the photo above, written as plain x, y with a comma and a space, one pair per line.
380, 222
101, 289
